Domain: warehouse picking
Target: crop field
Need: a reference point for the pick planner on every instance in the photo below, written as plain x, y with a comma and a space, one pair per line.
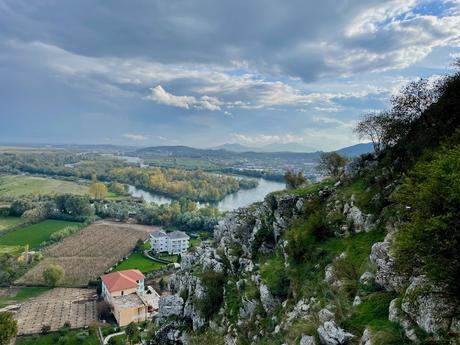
89, 253
16, 185
9, 222
56, 307
34, 234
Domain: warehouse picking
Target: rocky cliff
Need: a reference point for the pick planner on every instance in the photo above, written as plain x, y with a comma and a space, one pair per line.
228, 288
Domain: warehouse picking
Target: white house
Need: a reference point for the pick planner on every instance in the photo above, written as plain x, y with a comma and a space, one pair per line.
175, 242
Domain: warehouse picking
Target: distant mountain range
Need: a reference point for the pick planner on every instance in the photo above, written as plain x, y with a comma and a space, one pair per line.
350, 151
291, 147
240, 151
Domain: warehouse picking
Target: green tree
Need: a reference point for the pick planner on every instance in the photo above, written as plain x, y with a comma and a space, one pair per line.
294, 180
8, 327
132, 333
53, 274
331, 163
118, 188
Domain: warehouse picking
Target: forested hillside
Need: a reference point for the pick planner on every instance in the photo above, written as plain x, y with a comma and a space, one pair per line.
370, 257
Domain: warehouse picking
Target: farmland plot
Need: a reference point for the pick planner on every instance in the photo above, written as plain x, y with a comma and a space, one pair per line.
89, 253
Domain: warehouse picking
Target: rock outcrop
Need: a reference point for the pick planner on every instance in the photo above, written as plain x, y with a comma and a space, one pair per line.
331, 334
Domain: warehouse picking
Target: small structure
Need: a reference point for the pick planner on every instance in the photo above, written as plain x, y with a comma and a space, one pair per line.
129, 301
176, 242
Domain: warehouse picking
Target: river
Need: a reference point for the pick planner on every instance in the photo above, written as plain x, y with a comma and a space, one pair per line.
242, 198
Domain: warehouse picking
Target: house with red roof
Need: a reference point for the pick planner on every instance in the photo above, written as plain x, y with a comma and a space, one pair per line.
125, 293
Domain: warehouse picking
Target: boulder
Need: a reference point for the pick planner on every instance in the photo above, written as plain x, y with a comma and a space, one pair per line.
325, 315
331, 334
386, 274
395, 314
429, 305
366, 338
367, 278
357, 301
269, 303
307, 340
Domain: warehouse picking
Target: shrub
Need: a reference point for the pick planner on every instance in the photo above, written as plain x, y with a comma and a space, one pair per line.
428, 242
45, 329
53, 274
274, 275
213, 282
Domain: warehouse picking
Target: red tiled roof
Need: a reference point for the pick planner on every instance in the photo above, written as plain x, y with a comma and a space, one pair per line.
122, 280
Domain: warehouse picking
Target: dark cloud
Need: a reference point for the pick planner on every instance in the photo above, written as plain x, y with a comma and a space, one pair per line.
203, 71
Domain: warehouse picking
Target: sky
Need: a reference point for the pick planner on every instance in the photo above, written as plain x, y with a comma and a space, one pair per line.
204, 72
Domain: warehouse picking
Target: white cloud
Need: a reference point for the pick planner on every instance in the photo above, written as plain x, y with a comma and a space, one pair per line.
161, 96
135, 137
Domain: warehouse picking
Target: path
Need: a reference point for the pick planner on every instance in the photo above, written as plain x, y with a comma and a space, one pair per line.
107, 338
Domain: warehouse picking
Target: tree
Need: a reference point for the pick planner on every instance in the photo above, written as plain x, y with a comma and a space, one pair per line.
8, 327
294, 180
53, 274
132, 333
98, 190
331, 163
162, 284
374, 126
118, 188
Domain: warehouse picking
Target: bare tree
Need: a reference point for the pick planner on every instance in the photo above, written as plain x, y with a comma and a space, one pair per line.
373, 126
413, 99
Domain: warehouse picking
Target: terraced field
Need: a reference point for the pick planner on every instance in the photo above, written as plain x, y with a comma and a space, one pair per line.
89, 253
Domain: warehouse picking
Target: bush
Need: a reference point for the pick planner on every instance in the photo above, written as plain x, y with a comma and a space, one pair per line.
428, 242
304, 235
53, 274
213, 282
274, 275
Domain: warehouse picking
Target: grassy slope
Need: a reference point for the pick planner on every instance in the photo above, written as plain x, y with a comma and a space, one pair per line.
34, 234
21, 185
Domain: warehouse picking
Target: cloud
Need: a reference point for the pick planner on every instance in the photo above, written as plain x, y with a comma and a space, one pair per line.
161, 96
135, 137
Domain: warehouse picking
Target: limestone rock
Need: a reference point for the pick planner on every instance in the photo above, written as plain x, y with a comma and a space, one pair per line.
357, 301
170, 305
367, 278
386, 275
269, 303
307, 340
429, 305
331, 334
395, 314
366, 338
325, 315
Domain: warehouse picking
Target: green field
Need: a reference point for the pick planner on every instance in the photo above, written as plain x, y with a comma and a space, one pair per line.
8, 222
23, 294
75, 337
17, 185
140, 262
34, 234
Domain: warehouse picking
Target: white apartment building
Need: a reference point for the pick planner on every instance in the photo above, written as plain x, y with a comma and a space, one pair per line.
175, 242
